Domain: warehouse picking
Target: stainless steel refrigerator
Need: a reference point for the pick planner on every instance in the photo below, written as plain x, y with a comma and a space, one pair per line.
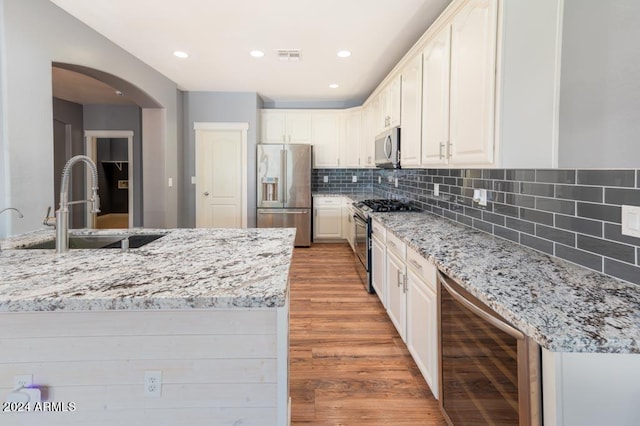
284, 189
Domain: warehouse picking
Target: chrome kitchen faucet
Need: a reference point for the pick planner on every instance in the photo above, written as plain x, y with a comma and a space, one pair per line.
62, 215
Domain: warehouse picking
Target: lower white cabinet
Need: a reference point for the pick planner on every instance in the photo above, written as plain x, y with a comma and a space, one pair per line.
396, 293
378, 269
422, 319
348, 227
327, 218
406, 284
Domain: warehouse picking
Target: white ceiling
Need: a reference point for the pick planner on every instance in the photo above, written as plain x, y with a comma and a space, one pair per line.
218, 35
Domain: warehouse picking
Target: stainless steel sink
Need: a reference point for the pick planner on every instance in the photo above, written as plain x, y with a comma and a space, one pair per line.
100, 241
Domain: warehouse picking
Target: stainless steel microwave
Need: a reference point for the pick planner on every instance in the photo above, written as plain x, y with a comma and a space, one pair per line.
388, 149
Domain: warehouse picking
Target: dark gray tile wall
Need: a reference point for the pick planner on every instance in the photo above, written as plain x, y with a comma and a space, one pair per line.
571, 214
341, 180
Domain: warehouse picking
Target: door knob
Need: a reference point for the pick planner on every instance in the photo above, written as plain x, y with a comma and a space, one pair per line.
206, 194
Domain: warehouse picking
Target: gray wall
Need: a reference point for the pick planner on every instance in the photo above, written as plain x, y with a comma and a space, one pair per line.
218, 107
122, 117
600, 85
33, 34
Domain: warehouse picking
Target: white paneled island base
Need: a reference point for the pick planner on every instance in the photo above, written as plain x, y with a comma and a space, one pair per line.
218, 366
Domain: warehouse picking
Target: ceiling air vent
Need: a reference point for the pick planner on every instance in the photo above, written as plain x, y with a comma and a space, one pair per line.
289, 54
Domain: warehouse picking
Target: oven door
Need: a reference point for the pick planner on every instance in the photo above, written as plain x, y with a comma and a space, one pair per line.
361, 244
489, 371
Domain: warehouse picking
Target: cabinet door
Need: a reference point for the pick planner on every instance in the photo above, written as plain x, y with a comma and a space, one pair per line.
351, 143
473, 65
299, 127
348, 227
411, 113
378, 269
396, 301
422, 311
435, 98
327, 218
368, 135
325, 138
390, 103
273, 125
395, 95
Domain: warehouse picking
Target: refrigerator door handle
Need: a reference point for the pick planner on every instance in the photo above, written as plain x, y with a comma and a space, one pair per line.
274, 211
283, 154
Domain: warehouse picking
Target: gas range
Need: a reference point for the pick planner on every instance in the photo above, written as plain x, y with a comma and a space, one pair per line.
380, 205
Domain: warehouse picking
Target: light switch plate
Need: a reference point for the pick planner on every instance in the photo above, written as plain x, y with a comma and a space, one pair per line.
631, 221
354, 179
436, 189
325, 179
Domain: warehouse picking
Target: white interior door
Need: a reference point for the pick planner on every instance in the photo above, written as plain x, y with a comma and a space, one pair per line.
221, 177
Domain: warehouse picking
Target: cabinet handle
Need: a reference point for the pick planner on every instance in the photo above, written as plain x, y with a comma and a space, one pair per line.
449, 150
404, 283
441, 149
398, 279
416, 264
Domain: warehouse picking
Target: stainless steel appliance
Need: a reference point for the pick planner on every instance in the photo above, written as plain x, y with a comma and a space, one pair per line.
387, 148
284, 189
489, 370
362, 223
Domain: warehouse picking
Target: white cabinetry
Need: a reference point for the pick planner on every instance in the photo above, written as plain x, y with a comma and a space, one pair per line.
378, 261
406, 284
351, 152
325, 137
285, 126
390, 104
367, 148
397, 284
410, 112
348, 227
435, 98
473, 68
422, 317
327, 218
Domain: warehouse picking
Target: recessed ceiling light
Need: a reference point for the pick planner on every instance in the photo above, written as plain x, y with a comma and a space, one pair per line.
343, 54
257, 53
334, 86
180, 54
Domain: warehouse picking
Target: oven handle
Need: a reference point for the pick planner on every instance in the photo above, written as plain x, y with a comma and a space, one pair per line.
513, 332
359, 220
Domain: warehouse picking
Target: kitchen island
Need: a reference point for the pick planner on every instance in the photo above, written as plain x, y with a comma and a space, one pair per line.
208, 308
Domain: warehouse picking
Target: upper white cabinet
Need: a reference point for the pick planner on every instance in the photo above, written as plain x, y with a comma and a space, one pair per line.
289, 126
411, 112
325, 137
370, 114
351, 145
390, 104
473, 71
435, 98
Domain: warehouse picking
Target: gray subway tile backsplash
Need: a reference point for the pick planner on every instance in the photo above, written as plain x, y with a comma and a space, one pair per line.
572, 214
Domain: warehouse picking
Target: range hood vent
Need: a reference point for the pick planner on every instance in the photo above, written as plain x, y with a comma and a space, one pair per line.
289, 54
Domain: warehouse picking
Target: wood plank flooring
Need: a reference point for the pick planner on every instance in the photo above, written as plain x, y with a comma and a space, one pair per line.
348, 365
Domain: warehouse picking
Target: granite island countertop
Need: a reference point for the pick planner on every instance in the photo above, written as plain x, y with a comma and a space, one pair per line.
562, 306
185, 269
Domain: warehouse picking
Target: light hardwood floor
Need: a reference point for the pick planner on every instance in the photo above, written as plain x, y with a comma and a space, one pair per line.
348, 365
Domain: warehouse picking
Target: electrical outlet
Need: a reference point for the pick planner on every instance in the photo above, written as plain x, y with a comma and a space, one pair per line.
22, 381
396, 182
379, 179
325, 179
436, 189
153, 383
354, 179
